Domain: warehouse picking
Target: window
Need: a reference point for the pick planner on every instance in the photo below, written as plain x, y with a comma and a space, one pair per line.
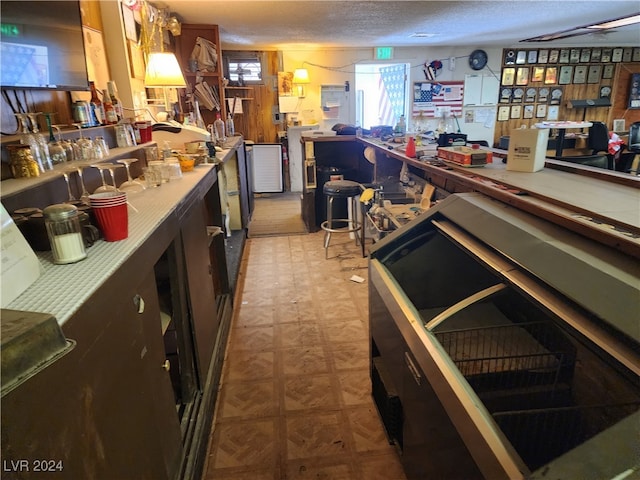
243, 67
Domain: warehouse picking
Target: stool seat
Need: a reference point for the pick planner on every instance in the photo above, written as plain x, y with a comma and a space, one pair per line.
342, 188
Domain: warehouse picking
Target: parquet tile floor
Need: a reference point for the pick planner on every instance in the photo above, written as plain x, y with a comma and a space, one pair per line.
294, 400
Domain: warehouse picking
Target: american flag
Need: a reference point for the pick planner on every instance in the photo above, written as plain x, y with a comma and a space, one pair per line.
427, 97
391, 85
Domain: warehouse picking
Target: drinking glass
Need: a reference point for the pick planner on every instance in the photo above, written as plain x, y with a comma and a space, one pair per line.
40, 140
104, 187
66, 144
130, 185
70, 196
112, 167
57, 152
84, 196
85, 151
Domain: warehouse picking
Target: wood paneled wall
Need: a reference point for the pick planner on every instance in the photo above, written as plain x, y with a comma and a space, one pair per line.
619, 83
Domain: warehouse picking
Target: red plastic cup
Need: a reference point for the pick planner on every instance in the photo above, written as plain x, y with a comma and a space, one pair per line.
113, 221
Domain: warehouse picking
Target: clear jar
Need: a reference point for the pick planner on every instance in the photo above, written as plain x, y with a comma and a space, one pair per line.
65, 233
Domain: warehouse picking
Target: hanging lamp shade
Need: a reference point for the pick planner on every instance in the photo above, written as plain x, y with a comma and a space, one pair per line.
301, 75
163, 70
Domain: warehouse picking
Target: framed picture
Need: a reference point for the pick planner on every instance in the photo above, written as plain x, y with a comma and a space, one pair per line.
580, 74
538, 74
136, 60
521, 57
543, 56
619, 125
528, 111
553, 56
522, 76
585, 55
564, 55
566, 72
532, 57
574, 55
596, 54
508, 76
595, 72
541, 111
516, 111
550, 75
552, 112
503, 113
607, 71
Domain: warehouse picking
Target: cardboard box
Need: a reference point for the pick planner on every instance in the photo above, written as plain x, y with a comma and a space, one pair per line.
527, 149
470, 157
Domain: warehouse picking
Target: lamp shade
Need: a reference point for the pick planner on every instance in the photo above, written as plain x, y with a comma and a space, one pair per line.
300, 75
163, 70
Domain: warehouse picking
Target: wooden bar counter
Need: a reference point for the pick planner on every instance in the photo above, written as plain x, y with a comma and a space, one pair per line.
599, 204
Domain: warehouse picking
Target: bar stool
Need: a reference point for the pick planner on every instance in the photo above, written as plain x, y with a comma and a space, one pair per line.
348, 190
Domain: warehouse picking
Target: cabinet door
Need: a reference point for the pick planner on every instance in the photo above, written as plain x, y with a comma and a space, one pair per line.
202, 299
105, 410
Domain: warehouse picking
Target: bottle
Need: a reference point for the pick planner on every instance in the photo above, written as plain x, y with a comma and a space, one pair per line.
97, 109
411, 148
231, 130
218, 129
401, 126
65, 234
109, 112
113, 95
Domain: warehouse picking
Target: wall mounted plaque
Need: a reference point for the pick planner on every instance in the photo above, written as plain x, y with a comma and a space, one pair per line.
516, 111
528, 111
574, 55
503, 113
566, 73
510, 57
595, 71
530, 95
538, 74
596, 54
518, 94
635, 55
616, 55
627, 54
541, 111
532, 57
585, 55
543, 94
508, 76
556, 96
522, 76
543, 56
606, 55
521, 57
580, 74
564, 56
607, 71
553, 56
550, 75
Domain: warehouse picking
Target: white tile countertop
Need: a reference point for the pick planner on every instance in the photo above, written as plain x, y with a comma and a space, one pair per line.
62, 289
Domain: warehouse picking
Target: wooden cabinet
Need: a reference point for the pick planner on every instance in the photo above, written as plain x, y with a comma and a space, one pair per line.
184, 46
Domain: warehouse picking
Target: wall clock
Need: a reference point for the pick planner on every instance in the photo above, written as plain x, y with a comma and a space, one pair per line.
478, 59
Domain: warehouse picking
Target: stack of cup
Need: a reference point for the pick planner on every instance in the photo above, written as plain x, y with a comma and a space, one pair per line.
112, 216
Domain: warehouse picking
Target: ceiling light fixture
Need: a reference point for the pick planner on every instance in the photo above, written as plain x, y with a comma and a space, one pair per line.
422, 35
587, 29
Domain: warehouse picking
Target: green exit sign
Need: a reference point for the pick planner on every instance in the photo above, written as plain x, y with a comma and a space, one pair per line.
384, 53
9, 30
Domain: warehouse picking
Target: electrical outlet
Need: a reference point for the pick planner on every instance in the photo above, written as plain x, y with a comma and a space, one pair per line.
452, 63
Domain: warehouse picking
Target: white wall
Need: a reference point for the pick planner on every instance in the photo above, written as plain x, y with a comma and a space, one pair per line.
335, 66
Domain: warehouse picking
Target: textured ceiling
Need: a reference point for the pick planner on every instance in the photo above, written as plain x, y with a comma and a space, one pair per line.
334, 24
